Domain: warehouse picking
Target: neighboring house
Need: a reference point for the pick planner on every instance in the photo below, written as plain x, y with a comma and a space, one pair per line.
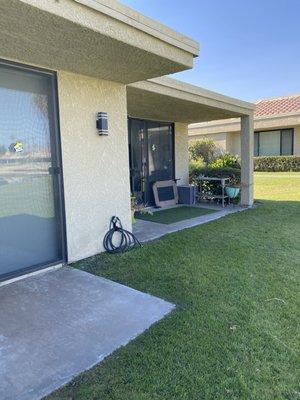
62, 176
276, 126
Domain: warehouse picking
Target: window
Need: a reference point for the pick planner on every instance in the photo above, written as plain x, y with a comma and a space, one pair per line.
274, 143
256, 144
287, 142
269, 143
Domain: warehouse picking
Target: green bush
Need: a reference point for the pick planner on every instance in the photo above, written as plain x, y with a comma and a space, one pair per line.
225, 160
234, 174
203, 149
195, 165
277, 163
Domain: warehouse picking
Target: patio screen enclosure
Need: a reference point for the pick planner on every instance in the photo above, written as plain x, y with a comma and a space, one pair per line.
151, 156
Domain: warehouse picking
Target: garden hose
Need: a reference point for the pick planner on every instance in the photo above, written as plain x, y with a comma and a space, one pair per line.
127, 240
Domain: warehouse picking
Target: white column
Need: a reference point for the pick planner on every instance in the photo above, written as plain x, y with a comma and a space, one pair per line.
247, 148
181, 153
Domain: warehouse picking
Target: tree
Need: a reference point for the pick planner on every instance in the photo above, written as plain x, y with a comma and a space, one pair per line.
205, 149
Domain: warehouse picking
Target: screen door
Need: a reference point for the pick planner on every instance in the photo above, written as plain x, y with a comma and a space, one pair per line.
151, 156
31, 228
160, 154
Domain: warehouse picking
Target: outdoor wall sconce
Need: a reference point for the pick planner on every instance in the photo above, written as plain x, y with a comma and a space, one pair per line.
102, 123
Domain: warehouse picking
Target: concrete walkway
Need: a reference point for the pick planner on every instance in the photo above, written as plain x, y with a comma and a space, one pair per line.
57, 324
146, 231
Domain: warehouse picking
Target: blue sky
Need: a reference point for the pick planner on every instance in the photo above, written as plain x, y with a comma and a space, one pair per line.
249, 49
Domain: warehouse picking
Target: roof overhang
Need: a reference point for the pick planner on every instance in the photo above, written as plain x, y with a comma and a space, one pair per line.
100, 38
234, 125
167, 99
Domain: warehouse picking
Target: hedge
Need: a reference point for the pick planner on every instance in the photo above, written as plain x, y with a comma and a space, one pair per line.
234, 174
277, 163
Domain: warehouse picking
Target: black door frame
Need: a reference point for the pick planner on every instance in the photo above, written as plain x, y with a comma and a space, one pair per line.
145, 127
56, 160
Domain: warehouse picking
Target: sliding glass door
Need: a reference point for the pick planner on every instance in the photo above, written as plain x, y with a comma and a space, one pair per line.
160, 154
151, 150
31, 218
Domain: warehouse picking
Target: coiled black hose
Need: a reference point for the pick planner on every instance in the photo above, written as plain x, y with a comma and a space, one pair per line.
127, 240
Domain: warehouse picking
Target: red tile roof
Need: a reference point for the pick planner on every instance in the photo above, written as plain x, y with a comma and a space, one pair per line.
279, 105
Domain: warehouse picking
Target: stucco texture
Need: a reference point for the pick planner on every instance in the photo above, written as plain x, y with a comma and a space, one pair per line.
216, 129
181, 153
231, 142
96, 173
168, 99
66, 35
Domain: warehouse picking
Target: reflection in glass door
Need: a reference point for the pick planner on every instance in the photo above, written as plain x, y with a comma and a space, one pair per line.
160, 154
151, 152
31, 229
137, 158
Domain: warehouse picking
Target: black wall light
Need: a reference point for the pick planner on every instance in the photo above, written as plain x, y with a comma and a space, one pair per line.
102, 123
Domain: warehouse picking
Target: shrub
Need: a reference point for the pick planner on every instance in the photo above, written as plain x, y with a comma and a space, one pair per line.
225, 160
195, 165
204, 149
277, 163
234, 174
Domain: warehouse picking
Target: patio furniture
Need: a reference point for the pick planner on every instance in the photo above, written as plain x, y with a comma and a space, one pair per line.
165, 193
211, 196
187, 194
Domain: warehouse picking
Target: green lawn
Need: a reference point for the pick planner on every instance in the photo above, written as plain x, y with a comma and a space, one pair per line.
33, 197
234, 333
176, 214
277, 186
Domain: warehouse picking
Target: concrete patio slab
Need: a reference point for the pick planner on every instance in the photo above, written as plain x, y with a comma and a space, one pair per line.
146, 231
57, 324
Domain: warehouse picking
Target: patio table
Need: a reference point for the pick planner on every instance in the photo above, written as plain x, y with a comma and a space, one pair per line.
203, 196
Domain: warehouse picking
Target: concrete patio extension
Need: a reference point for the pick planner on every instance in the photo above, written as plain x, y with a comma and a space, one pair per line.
57, 324
146, 231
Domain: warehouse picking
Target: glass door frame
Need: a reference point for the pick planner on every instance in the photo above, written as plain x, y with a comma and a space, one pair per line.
145, 176
57, 171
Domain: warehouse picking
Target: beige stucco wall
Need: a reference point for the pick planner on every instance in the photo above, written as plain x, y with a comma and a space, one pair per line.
233, 128
233, 143
181, 153
67, 35
96, 173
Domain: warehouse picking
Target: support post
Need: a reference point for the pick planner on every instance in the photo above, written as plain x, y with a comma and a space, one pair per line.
247, 150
